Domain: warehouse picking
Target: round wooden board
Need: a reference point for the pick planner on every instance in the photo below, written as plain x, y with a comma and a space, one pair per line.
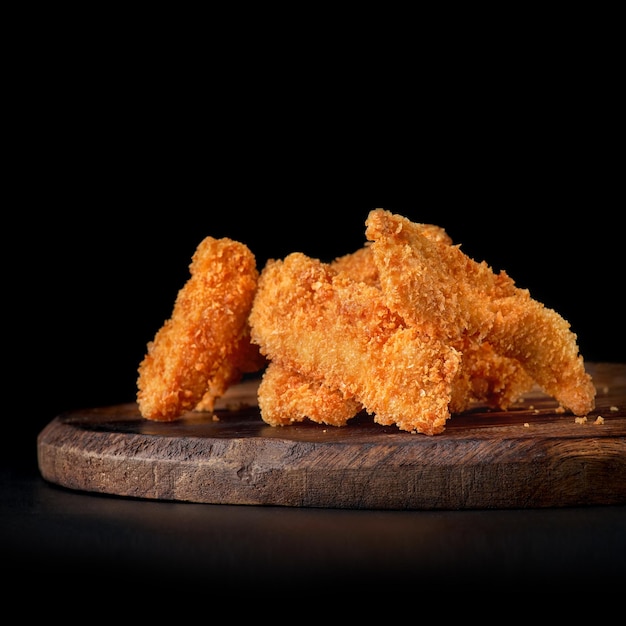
530, 456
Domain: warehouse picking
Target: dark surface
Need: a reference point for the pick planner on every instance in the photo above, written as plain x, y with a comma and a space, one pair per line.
93, 539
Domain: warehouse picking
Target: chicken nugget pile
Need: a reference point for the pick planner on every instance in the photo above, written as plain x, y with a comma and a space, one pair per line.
408, 329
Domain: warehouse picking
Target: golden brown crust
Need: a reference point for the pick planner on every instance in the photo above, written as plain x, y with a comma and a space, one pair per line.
431, 283
334, 330
439, 289
286, 397
543, 342
359, 266
408, 328
195, 351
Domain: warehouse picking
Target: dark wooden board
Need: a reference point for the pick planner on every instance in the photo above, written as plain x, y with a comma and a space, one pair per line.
529, 457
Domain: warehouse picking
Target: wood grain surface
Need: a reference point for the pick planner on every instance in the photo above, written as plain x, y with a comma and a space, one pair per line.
531, 456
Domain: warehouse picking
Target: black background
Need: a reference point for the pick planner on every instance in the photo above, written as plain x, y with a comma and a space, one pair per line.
125, 147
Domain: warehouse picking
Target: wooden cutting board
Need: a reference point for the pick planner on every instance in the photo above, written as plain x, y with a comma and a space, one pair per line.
530, 456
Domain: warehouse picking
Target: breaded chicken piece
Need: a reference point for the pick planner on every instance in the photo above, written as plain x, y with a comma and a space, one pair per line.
437, 288
430, 283
286, 396
361, 265
484, 376
202, 349
540, 339
332, 329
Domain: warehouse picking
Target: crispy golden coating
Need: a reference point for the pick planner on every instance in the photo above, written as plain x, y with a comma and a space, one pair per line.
204, 346
431, 283
408, 328
359, 266
544, 344
286, 396
435, 287
337, 331
484, 376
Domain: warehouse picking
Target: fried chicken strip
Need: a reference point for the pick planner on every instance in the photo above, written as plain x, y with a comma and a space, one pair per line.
436, 287
286, 396
337, 331
205, 345
484, 376
544, 343
430, 283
